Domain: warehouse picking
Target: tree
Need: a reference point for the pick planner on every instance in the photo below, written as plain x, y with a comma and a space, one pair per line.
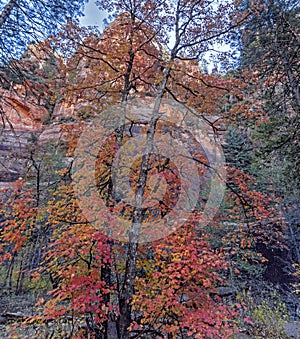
194, 34
18, 235
270, 50
238, 149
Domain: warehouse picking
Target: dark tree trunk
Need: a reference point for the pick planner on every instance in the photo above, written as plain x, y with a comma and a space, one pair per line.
134, 231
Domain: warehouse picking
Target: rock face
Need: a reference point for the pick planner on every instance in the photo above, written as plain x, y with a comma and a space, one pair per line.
22, 131
21, 113
14, 154
24, 111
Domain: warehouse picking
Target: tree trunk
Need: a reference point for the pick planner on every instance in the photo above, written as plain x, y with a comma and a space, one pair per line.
127, 290
134, 231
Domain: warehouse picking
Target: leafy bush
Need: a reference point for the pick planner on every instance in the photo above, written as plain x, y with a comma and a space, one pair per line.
263, 316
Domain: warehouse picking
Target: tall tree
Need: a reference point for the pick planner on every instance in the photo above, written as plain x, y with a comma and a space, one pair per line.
271, 53
196, 26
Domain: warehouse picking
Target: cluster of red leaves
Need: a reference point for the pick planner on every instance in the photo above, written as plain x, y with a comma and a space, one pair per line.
175, 295
75, 258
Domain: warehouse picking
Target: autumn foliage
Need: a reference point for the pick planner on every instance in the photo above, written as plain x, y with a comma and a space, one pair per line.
100, 286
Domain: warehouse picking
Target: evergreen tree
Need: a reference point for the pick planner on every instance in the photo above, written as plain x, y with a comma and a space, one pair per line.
270, 51
238, 149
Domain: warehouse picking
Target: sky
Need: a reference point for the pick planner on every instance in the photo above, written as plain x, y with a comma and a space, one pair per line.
93, 16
